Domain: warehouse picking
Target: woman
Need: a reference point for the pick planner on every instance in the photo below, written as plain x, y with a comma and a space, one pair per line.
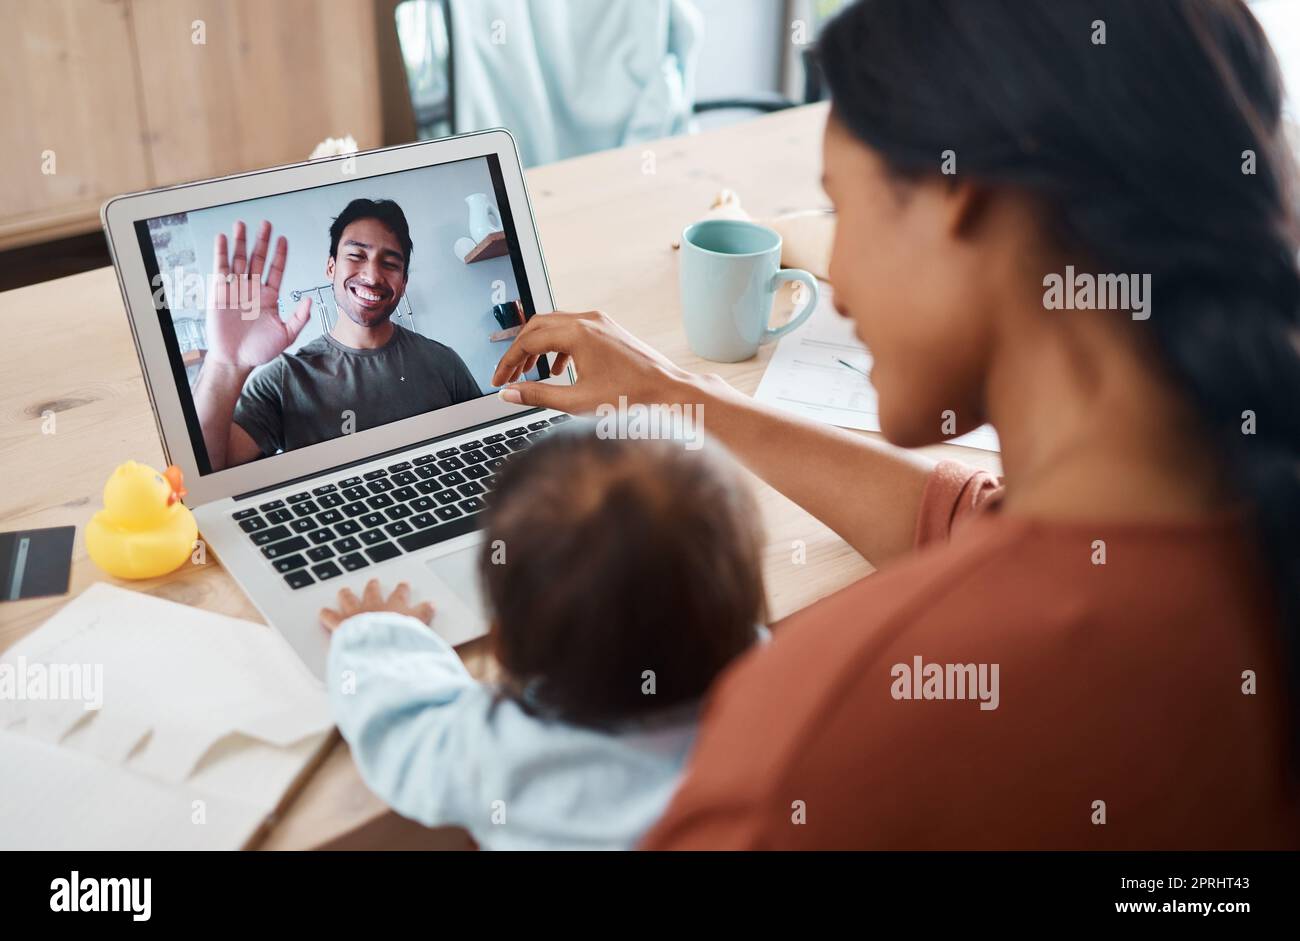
1131, 588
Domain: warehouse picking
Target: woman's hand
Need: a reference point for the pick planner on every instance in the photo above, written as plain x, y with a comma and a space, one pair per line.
867, 491
610, 362
372, 599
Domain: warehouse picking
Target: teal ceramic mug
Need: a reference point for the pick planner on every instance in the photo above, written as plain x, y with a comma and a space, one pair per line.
730, 271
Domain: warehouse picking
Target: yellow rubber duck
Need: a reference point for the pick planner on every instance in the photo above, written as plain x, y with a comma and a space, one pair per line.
144, 530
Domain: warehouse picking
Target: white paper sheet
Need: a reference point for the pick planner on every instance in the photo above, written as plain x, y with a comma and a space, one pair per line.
195, 706
56, 798
820, 371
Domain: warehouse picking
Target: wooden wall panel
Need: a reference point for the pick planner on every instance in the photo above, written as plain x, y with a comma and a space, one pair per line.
67, 70
271, 81
126, 100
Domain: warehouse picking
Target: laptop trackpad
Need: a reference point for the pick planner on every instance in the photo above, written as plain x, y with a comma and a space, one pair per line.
458, 571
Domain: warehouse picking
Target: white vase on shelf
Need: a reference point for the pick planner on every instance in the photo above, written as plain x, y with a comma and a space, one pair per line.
483, 217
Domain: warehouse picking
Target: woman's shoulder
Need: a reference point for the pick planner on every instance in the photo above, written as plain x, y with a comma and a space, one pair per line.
1014, 645
1023, 590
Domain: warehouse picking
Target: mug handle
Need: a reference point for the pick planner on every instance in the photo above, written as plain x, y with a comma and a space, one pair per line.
808, 281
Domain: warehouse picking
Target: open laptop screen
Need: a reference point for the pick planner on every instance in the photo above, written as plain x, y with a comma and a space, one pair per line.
390, 296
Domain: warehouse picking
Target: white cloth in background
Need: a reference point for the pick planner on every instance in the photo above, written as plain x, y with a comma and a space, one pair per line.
575, 77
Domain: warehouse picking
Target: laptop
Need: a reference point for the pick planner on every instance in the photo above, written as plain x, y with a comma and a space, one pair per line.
318, 342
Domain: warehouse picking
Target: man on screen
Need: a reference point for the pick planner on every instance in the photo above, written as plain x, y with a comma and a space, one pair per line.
367, 371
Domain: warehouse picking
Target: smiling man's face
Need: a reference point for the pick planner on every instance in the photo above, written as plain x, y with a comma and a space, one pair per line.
368, 273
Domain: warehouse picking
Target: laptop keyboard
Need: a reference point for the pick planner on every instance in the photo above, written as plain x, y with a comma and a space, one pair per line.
358, 521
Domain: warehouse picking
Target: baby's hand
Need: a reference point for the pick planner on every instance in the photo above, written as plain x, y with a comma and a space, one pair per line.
372, 599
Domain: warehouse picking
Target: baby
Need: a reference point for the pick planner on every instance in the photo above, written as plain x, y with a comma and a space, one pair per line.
620, 577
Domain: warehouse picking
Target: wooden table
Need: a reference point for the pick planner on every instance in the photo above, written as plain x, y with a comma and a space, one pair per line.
607, 221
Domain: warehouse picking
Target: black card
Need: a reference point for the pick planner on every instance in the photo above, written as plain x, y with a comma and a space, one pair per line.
35, 562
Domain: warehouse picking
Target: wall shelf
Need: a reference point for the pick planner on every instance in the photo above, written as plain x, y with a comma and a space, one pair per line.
494, 246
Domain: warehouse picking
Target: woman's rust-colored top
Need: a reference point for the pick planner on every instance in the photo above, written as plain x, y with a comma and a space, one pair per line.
1140, 698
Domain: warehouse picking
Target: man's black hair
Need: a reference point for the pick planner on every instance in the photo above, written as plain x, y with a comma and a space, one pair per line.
387, 212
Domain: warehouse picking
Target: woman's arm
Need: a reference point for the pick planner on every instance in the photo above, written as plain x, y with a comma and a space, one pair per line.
865, 490
868, 491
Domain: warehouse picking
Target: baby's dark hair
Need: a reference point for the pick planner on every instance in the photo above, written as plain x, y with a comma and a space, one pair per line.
608, 558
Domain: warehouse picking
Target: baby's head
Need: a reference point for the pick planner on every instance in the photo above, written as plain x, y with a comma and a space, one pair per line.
608, 558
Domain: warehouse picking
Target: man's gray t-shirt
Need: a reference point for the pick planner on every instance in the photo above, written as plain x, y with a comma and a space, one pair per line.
303, 398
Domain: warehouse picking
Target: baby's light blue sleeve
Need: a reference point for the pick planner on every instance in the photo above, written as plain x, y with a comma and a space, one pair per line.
412, 715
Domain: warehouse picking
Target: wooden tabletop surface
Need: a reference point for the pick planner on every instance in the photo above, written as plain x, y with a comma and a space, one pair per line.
608, 222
